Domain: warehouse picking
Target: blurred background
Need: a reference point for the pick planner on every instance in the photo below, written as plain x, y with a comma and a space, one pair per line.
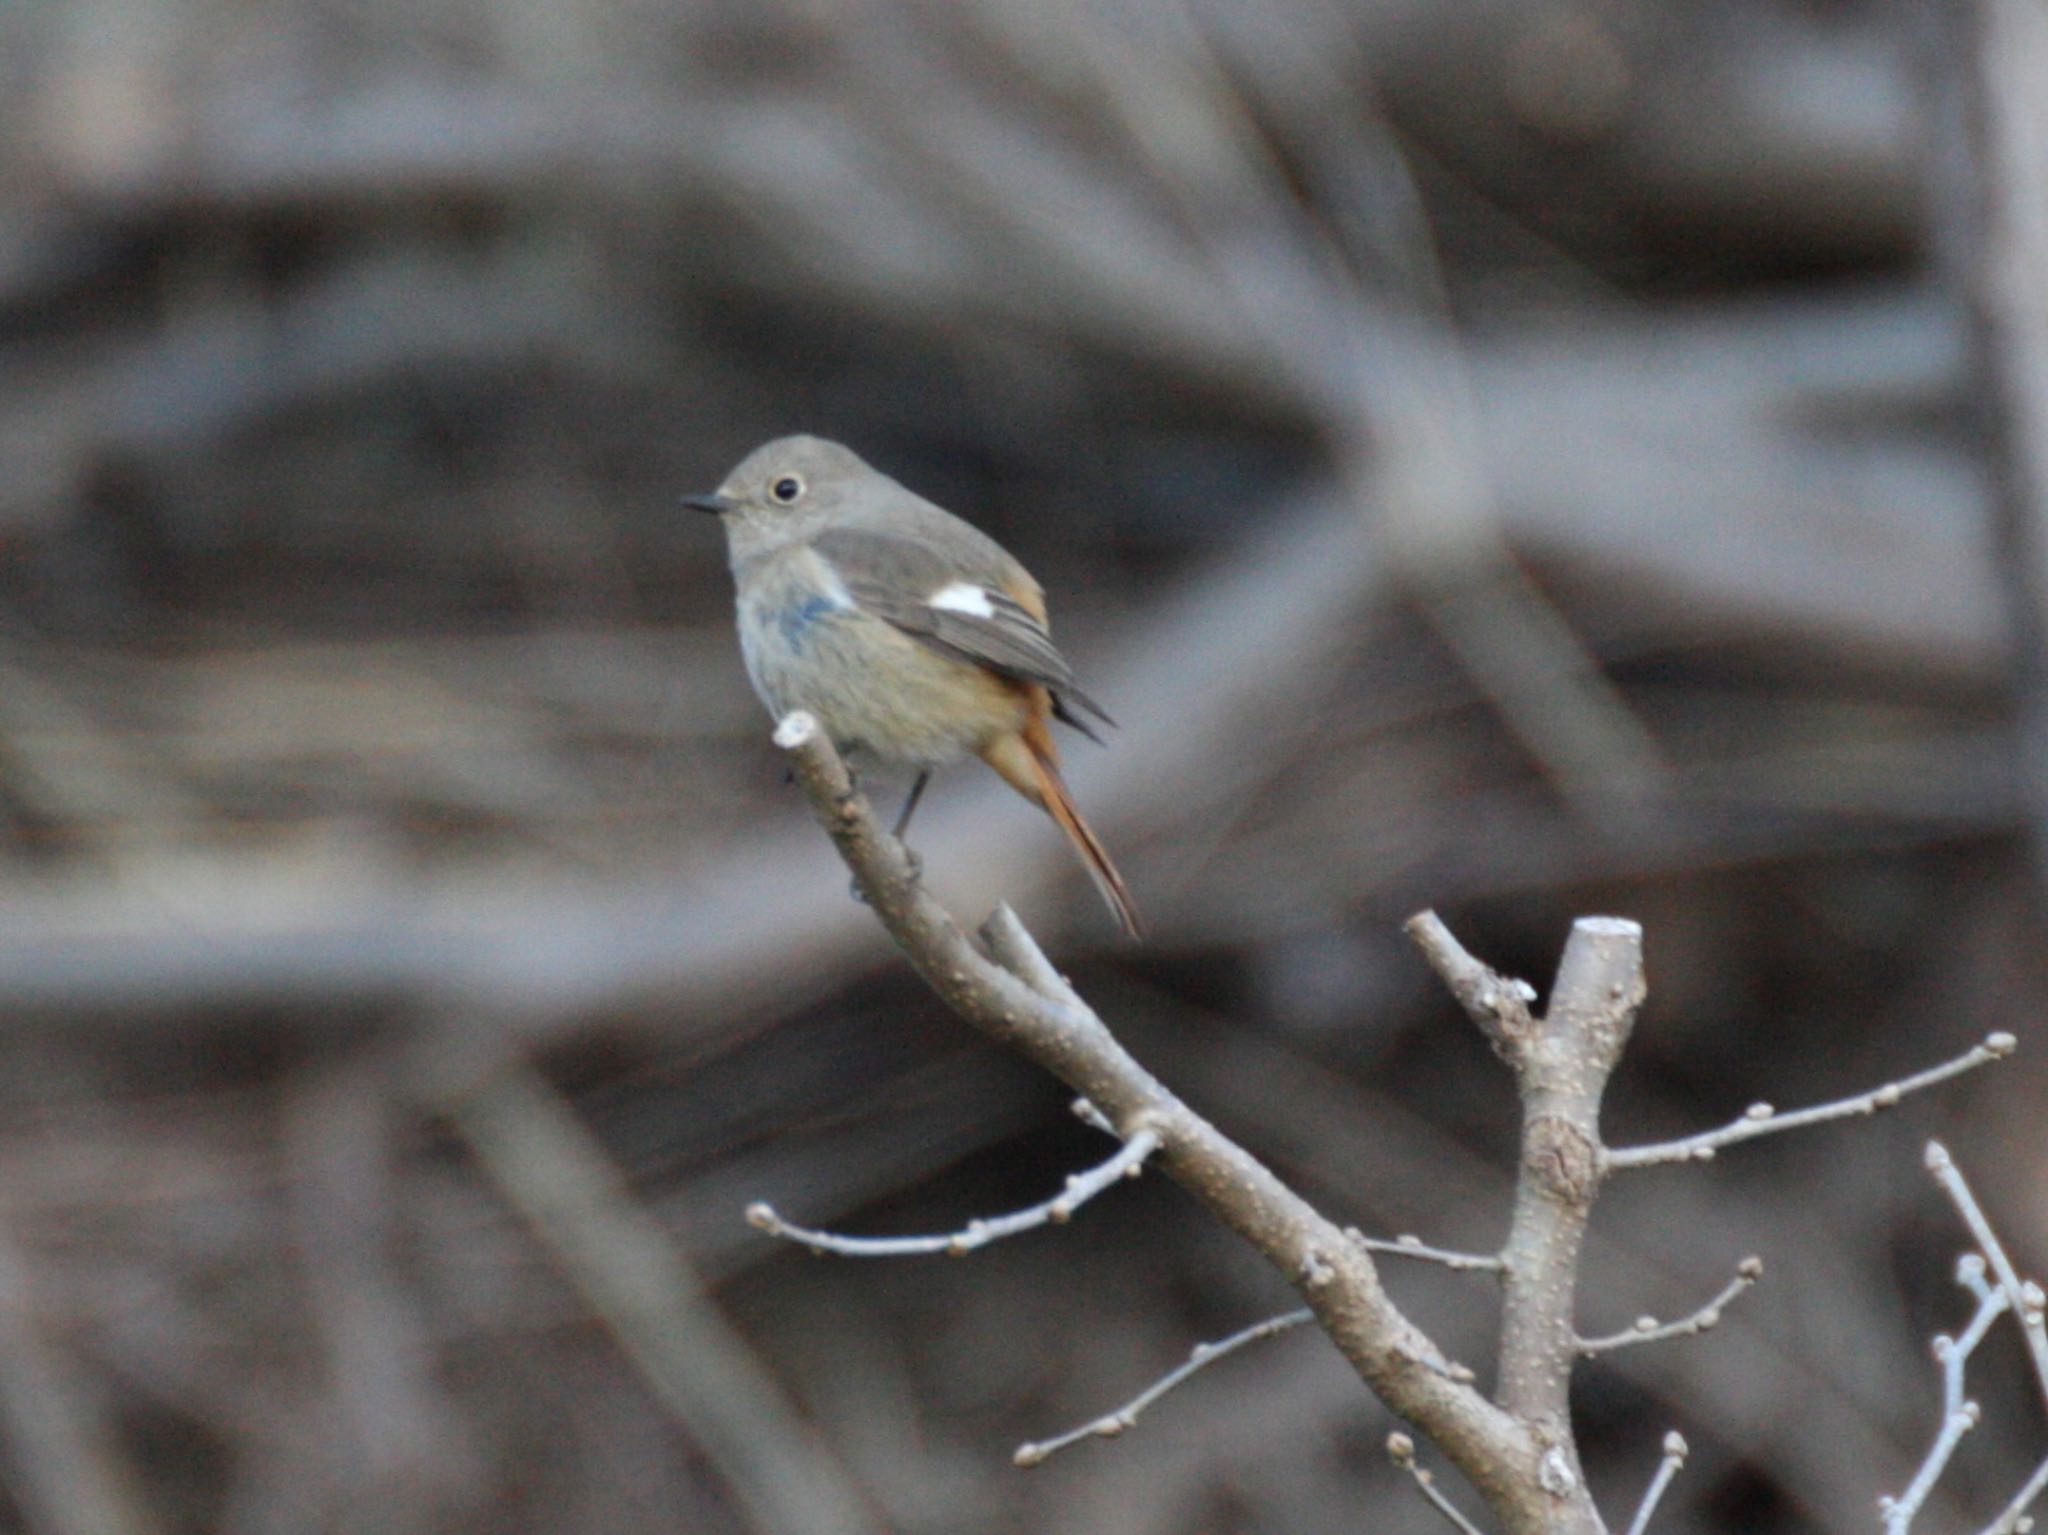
1525, 459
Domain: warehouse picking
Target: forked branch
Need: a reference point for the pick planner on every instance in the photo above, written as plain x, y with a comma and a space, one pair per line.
1517, 1449
1009, 991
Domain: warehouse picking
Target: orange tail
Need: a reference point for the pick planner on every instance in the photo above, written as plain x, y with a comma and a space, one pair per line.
1029, 762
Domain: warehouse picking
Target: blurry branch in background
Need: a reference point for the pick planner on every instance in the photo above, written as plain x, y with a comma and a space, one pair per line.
1592, 428
323, 231
2001, 1292
552, 1170
65, 1471
1380, 376
1996, 51
397, 1419
1518, 1448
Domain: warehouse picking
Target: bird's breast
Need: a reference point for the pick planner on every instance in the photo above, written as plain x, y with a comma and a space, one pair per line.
809, 645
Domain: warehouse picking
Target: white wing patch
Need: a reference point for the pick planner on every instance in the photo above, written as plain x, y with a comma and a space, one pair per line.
963, 597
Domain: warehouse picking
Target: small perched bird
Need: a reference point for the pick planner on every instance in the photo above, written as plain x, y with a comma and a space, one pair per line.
913, 637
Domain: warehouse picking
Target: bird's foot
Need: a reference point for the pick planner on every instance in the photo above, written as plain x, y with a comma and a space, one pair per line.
911, 856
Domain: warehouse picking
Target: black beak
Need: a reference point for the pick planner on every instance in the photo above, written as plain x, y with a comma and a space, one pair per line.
712, 502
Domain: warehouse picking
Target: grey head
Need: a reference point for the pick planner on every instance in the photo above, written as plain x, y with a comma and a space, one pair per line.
790, 490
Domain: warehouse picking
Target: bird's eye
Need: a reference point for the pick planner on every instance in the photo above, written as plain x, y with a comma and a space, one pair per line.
786, 489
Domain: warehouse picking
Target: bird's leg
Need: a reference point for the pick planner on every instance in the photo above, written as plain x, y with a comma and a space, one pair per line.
903, 824
924, 776
910, 804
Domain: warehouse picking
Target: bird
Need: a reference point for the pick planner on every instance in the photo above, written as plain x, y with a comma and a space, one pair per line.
913, 637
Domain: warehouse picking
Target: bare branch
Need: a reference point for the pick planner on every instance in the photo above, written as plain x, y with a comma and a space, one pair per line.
1406, 1246
1080, 1188
1401, 1450
1762, 1119
2025, 1297
1497, 1003
1675, 1451
1109, 1425
1560, 1075
1970, 1269
1013, 947
1649, 1330
1334, 1274
2014, 1515
1089, 1114
1898, 1513
1959, 1414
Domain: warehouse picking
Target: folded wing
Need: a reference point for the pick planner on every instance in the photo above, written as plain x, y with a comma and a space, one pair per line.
965, 614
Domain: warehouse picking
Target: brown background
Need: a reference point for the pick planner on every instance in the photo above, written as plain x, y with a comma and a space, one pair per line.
1526, 460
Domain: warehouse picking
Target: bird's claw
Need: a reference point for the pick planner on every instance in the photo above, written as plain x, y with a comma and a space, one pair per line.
910, 856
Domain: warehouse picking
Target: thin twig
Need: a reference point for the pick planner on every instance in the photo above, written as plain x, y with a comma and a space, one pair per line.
1762, 1119
1406, 1246
1970, 1275
1083, 1110
1649, 1330
2024, 1296
1898, 1512
1080, 1188
1497, 1003
1954, 1353
1336, 1276
1959, 1414
1109, 1425
1675, 1451
1401, 1450
2014, 1514
1011, 945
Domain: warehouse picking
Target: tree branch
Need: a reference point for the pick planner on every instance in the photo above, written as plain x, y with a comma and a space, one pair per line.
2023, 1296
2013, 1517
1498, 1004
1675, 1451
1110, 1424
1408, 1246
1079, 1189
2003, 1292
1027, 1009
1517, 1450
1762, 1119
1648, 1329
1401, 1450
1561, 1070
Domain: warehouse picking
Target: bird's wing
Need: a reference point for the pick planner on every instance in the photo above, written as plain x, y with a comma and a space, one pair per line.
967, 614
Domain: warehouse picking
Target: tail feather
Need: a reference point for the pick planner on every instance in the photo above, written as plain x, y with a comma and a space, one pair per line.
1094, 856
1031, 765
